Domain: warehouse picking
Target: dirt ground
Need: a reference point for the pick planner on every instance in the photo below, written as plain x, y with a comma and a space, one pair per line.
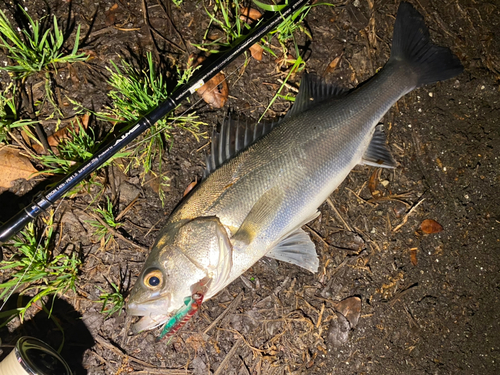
430, 303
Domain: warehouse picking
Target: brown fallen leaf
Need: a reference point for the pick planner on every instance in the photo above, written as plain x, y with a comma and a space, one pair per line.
351, 309
373, 183
63, 134
249, 15
14, 166
154, 183
256, 50
333, 65
413, 256
111, 14
216, 91
26, 137
429, 226
190, 187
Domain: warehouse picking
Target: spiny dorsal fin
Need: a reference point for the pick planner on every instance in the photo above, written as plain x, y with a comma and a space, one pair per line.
377, 154
235, 136
313, 91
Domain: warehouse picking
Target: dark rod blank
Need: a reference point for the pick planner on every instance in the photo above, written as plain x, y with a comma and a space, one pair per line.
43, 201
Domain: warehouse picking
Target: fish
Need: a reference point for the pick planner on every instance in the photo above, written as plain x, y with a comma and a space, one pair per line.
264, 182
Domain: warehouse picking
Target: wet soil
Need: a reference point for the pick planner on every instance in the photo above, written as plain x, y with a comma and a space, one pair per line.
429, 302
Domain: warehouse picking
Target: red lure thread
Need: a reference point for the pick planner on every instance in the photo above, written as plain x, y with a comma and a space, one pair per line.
181, 317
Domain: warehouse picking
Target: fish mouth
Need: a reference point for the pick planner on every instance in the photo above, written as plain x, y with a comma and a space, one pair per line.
150, 316
139, 309
153, 313
149, 322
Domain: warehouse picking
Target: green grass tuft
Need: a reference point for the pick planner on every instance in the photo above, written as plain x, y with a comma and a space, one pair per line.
35, 270
135, 93
103, 230
37, 49
9, 118
111, 302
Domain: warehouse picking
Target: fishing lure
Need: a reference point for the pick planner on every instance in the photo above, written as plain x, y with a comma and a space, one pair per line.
181, 317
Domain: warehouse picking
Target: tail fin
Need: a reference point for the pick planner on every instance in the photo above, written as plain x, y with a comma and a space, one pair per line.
411, 44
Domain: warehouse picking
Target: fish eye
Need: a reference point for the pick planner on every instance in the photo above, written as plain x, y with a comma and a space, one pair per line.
153, 279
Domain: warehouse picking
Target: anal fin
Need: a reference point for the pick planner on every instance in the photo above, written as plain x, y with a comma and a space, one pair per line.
377, 154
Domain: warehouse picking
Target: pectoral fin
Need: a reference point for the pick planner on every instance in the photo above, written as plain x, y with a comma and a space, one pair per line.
297, 249
377, 154
261, 214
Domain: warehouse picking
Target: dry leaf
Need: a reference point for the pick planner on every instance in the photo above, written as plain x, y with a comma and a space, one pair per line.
333, 65
26, 137
413, 256
249, 15
14, 166
373, 183
351, 309
110, 15
154, 183
190, 187
256, 51
429, 226
215, 91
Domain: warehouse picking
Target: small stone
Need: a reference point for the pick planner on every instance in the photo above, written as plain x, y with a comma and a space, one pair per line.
128, 192
338, 333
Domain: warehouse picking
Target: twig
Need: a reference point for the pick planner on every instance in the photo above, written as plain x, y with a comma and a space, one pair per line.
330, 203
405, 218
28, 98
361, 199
153, 227
118, 234
105, 343
152, 30
167, 13
320, 317
241, 337
402, 293
318, 236
244, 366
235, 302
126, 209
30, 153
393, 197
229, 355
288, 86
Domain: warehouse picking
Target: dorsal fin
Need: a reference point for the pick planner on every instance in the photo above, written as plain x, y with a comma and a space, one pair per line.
313, 90
235, 136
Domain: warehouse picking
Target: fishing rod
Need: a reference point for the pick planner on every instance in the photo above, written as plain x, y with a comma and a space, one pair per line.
45, 200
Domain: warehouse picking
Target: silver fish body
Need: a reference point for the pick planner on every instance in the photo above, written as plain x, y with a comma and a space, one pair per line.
254, 204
